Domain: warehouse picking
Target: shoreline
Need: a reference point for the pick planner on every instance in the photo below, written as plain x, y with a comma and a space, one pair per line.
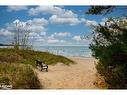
82, 58
79, 57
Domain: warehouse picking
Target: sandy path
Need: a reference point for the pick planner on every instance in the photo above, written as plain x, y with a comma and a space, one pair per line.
75, 76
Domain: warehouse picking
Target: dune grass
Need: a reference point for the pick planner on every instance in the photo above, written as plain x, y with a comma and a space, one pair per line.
20, 76
29, 57
15, 67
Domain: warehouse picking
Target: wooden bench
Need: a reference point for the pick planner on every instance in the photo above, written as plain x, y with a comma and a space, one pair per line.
42, 65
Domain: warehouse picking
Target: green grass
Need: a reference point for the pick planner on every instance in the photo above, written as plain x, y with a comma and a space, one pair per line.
29, 57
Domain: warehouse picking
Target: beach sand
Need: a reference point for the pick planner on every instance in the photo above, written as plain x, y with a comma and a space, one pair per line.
76, 76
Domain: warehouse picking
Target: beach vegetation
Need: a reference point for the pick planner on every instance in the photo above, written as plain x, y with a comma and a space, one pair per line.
109, 47
21, 35
29, 57
20, 76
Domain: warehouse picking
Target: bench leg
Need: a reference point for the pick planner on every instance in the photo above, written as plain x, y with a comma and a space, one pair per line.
41, 68
46, 69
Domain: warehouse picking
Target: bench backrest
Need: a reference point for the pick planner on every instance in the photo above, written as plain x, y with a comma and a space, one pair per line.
40, 63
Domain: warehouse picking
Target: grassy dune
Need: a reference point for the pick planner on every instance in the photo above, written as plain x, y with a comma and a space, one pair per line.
29, 57
15, 66
20, 76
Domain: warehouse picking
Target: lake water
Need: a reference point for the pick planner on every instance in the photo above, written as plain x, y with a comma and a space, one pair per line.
76, 51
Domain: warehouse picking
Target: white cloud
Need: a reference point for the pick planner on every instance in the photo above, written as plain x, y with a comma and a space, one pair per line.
52, 40
38, 22
40, 40
103, 20
59, 15
54, 19
34, 25
62, 41
38, 25
61, 34
46, 40
34, 34
56, 37
44, 10
4, 32
77, 38
68, 14
16, 8
64, 20
89, 22
53, 10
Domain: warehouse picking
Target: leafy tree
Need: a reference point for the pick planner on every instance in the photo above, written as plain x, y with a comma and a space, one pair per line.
109, 46
96, 10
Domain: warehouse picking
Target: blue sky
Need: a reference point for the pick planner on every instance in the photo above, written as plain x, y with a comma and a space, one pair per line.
51, 25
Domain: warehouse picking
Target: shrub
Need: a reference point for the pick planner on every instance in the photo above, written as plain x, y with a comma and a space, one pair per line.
110, 48
117, 77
